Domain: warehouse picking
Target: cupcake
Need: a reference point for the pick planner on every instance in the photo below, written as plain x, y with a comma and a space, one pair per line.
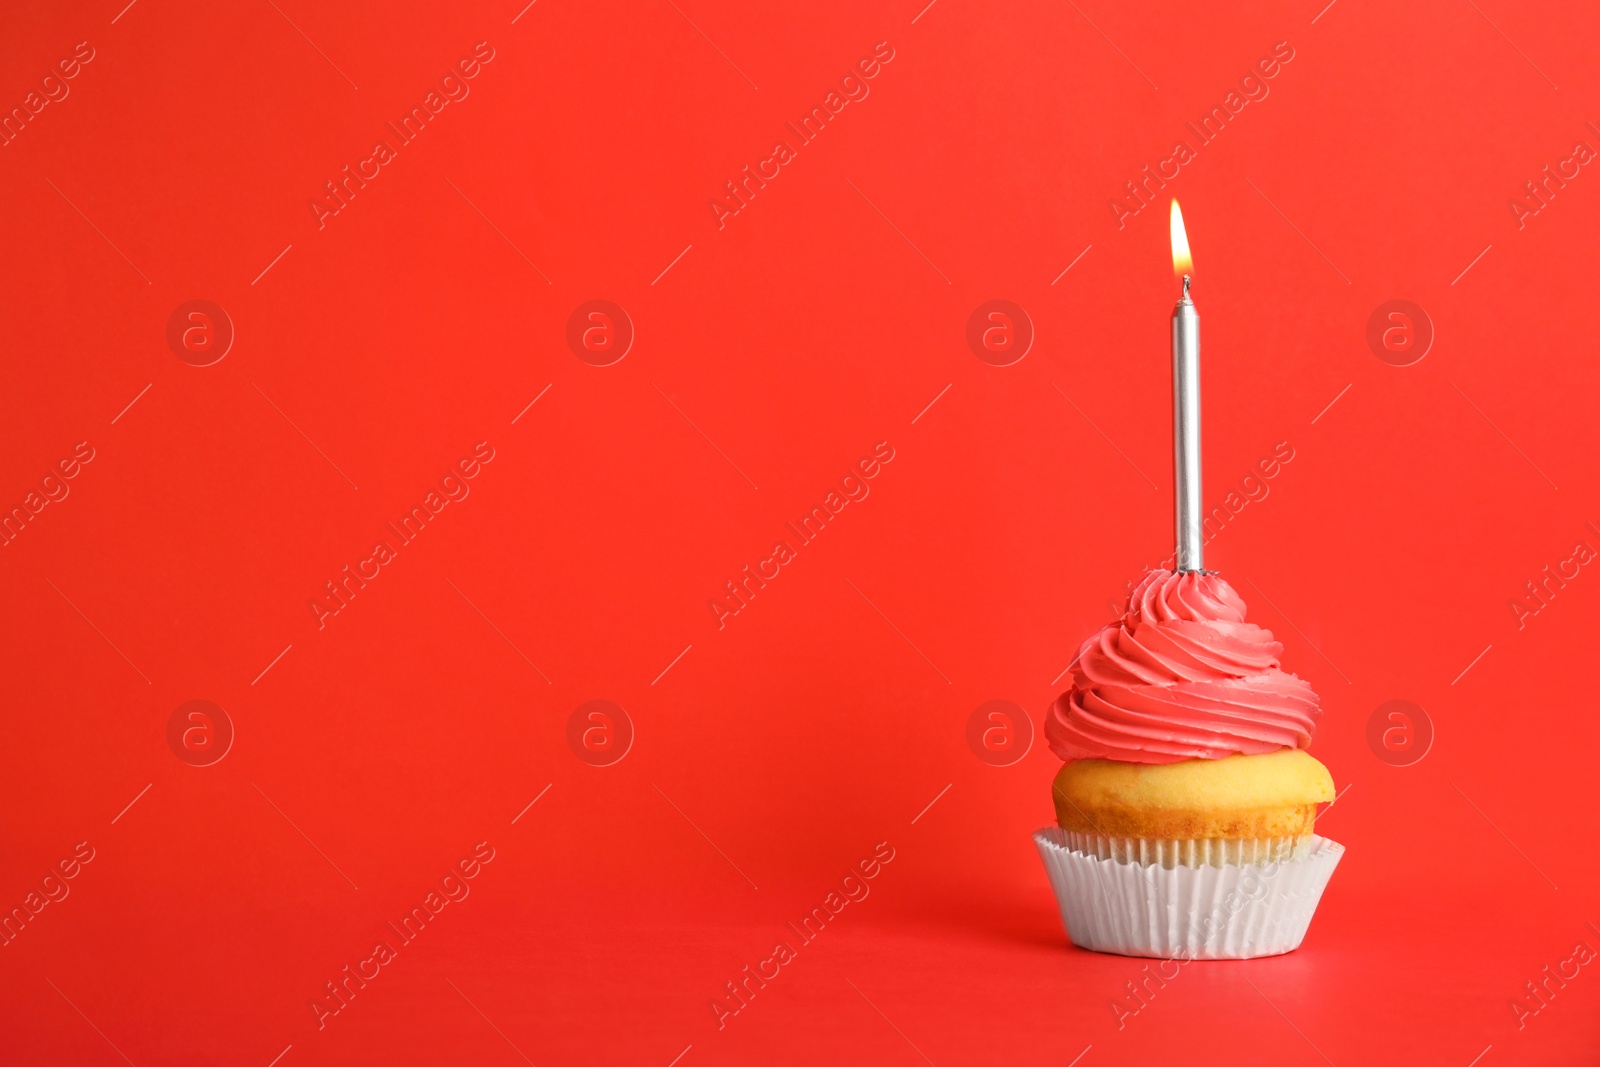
1186, 805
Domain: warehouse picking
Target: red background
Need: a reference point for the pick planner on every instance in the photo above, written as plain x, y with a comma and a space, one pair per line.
773, 354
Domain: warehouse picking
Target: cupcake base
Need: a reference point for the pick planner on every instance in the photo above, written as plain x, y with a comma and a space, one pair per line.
1186, 900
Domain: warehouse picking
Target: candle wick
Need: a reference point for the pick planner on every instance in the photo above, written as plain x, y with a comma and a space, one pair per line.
1186, 287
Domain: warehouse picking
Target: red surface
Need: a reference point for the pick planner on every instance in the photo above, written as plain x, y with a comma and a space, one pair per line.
775, 352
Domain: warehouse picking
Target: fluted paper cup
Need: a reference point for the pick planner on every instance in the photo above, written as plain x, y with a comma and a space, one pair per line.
1213, 900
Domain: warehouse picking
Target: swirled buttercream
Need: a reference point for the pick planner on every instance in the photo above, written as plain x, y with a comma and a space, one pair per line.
1180, 676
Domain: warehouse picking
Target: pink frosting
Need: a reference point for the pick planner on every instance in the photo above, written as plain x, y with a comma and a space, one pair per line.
1180, 676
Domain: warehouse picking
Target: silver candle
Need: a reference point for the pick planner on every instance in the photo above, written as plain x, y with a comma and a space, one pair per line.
1186, 410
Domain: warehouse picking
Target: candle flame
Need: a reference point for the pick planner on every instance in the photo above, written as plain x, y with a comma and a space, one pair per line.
1182, 262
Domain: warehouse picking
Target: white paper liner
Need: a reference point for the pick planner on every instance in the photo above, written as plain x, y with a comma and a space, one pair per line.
1192, 852
1203, 911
